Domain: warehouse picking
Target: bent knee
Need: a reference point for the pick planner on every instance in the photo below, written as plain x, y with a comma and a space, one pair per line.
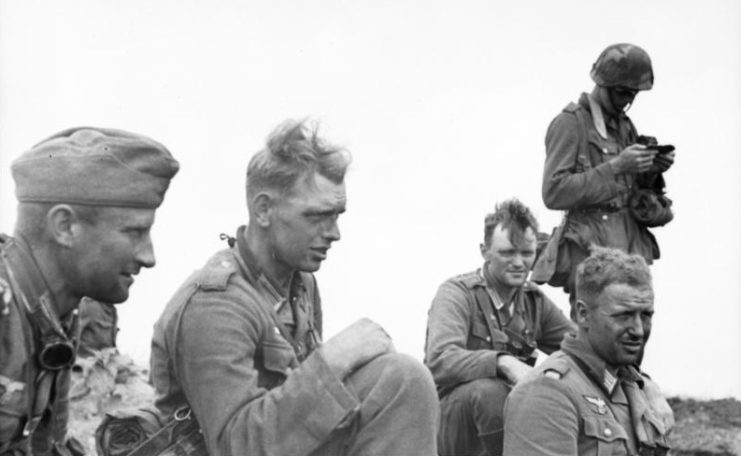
490, 391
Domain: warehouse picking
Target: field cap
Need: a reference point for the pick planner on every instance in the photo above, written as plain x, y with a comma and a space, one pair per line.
96, 167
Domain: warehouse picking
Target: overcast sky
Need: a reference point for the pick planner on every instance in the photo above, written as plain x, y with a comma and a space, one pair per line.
444, 106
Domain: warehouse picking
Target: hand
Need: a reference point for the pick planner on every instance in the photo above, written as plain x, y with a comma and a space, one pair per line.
658, 403
635, 158
663, 162
511, 368
355, 345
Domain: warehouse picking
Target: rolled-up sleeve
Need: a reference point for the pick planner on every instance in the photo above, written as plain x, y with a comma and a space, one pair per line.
447, 332
218, 343
563, 187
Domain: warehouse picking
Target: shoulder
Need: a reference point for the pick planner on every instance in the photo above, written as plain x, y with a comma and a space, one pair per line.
459, 287
549, 379
468, 280
218, 287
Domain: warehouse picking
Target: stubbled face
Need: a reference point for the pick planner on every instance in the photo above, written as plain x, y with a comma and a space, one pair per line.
618, 327
509, 264
108, 254
304, 223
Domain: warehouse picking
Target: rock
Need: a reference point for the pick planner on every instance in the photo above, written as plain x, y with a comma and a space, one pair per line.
102, 383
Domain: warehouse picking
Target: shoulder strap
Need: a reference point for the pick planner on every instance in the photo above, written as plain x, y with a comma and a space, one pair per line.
583, 151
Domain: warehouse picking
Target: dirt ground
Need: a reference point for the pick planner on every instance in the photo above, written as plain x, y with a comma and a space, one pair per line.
111, 381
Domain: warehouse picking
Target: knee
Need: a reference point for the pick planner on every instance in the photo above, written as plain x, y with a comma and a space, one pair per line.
487, 394
407, 376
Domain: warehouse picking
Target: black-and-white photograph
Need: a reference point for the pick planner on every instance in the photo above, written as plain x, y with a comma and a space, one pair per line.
370, 228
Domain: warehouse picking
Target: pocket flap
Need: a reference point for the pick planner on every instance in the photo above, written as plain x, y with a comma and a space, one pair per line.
277, 357
603, 427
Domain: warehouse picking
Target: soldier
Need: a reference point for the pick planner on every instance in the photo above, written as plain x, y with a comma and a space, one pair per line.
87, 199
241, 341
595, 169
482, 332
588, 398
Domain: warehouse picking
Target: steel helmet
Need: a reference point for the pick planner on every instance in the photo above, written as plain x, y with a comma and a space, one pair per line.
623, 65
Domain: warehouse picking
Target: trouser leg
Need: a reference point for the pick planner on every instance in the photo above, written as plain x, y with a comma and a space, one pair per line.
472, 419
398, 414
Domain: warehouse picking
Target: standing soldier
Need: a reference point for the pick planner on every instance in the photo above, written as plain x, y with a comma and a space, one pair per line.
87, 199
602, 173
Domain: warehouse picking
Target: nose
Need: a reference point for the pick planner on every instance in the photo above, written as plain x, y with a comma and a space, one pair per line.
636, 328
518, 260
145, 252
332, 233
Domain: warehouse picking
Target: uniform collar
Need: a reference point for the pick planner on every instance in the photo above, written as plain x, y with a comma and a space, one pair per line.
256, 273
596, 368
514, 305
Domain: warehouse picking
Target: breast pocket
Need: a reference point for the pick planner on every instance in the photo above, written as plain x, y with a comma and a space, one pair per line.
609, 435
482, 339
278, 356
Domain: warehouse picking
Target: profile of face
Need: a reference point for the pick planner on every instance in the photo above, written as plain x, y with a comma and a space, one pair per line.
509, 264
303, 224
619, 325
104, 256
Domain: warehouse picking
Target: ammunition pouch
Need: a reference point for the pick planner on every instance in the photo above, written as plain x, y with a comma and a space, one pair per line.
650, 208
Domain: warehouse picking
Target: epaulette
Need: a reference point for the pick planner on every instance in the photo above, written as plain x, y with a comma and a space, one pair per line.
469, 279
215, 275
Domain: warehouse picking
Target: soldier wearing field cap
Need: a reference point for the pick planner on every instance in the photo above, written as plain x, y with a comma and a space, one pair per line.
86, 202
605, 176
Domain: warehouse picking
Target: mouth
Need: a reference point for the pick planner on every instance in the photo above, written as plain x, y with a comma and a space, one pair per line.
320, 251
633, 346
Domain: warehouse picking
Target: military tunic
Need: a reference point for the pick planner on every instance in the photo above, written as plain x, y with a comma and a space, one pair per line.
259, 387
465, 336
584, 184
34, 404
572, 405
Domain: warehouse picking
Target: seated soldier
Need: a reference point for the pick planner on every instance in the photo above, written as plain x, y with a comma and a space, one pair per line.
588, 398
482, 332
241, 340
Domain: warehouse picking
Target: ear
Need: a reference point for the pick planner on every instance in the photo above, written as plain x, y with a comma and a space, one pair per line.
263, 204
483, 249
581, 312
62, 225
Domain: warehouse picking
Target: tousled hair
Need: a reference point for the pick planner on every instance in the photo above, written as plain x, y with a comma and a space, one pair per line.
514, 216
606, 266
294, 151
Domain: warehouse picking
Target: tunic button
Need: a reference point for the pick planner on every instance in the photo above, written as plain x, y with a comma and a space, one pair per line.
607, 432
604, 149
604, 216
488, 339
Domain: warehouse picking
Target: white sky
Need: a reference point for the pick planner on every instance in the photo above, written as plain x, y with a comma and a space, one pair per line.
444, 108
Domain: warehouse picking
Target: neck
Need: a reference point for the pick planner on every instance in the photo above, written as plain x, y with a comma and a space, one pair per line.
602, 97
504, 291
275, 271
47, 260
